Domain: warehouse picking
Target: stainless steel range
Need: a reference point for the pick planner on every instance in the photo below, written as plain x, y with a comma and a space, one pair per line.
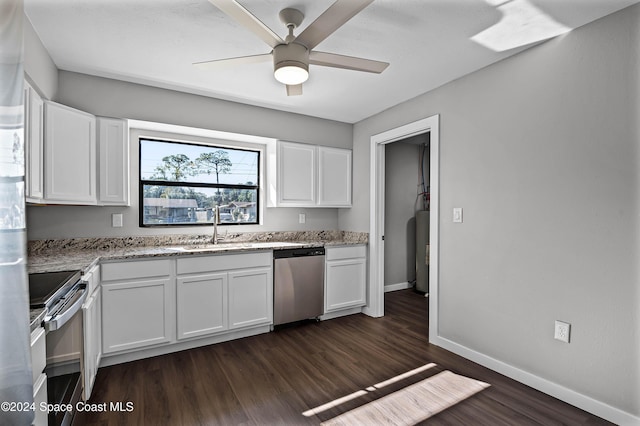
61, 294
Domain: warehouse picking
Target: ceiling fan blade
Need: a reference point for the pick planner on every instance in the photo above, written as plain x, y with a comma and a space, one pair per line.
221, 63
245, 18
332, 19
346, 62
295, 90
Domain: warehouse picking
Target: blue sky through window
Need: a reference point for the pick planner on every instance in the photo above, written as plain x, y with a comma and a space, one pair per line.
244, 162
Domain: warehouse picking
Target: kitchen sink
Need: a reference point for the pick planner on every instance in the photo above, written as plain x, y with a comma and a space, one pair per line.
236, 245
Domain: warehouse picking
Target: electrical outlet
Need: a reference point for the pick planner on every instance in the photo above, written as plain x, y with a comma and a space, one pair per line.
562, 331
302, 218
116, 220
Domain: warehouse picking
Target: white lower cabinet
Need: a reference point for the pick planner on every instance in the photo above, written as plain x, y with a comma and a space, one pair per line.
135, 314
40, 399
92, 322
38, 361
137, 308
201, 304
159, 305
92, 330
223, 292
345, 277
250, 297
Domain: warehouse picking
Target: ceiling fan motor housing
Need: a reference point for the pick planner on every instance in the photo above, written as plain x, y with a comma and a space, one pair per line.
292, 60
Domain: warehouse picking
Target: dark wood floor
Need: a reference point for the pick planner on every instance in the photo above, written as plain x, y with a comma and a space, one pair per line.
275, 377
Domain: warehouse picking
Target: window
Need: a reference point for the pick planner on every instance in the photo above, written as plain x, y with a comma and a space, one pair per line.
182, 184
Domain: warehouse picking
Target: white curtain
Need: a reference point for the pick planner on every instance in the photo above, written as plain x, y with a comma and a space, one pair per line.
16, 387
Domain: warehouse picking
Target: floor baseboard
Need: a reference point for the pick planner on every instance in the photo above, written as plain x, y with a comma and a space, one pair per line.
569, 396
397, 286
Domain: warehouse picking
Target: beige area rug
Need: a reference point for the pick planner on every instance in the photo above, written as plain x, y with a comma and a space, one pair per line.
414, 403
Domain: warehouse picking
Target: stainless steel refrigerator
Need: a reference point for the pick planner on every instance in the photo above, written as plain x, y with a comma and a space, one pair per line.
16, 389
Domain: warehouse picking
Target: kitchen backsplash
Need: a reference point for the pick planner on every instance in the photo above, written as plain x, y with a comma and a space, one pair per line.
36, 246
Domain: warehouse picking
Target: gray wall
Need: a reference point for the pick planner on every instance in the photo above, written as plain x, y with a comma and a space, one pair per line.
401, 202
112, 98
38, 66
541, 151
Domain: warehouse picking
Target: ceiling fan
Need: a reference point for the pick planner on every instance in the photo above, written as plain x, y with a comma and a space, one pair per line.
292, 56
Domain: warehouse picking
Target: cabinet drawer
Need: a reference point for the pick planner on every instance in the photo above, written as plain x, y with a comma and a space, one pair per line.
346, 252
137, 269
197, 264
92, 278
38, 352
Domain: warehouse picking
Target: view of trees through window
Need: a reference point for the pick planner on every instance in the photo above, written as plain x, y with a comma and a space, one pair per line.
182, 183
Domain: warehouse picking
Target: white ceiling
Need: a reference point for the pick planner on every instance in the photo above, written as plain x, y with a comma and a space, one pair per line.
155, 42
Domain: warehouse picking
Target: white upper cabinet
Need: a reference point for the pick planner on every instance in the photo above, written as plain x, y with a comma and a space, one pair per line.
113, 162
296, 174
34, 148
334, 177
312, 176
69, 155
72, 157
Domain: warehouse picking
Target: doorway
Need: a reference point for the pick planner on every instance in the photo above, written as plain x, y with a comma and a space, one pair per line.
375, 307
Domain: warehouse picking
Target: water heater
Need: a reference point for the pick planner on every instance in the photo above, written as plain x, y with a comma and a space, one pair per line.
422, 251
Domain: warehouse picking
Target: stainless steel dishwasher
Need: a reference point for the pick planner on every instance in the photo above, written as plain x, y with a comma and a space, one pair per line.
298, 284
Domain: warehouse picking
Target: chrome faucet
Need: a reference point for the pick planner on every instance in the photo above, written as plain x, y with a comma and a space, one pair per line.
216, 220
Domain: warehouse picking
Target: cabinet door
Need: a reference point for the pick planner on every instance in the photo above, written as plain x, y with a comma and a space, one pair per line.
201, 305
334, 177
113, 162
296, 164
34, 137
250, 297
69, 155
40, 399
38, 353
345, 284
91, 311
136, 314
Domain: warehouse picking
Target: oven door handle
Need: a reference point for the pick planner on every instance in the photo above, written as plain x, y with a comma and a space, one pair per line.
68, 310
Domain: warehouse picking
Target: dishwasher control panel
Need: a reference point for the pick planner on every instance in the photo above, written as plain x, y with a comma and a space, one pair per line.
298, 252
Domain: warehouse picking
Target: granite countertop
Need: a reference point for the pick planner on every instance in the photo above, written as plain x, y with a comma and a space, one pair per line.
84, 253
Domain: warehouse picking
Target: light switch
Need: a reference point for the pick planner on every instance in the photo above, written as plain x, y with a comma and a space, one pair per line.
457, 215
116, 220
302, 218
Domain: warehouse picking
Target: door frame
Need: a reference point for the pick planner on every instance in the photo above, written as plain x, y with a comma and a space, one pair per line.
431, 124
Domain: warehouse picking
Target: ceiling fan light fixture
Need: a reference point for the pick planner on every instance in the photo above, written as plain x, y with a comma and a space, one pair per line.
293, 54
291, 63
291, 73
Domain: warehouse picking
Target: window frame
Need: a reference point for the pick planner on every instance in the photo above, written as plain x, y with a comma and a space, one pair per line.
213, 145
